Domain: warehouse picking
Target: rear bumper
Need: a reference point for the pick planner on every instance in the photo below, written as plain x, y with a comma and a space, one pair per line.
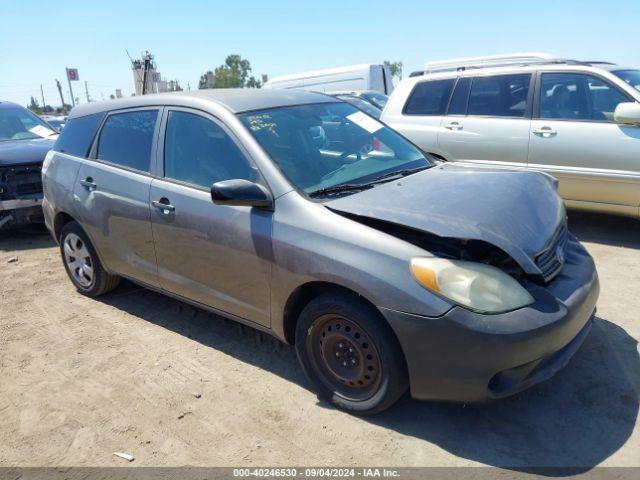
470, 357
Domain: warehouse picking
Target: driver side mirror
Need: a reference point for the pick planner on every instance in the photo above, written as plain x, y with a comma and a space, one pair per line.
242, 193
627, 113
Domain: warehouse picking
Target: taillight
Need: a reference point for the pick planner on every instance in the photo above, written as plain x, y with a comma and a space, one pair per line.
376, 144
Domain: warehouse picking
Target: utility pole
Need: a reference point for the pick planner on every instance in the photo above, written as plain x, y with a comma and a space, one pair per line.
42, 93
147, 60
86, 91
73, 99
60, 90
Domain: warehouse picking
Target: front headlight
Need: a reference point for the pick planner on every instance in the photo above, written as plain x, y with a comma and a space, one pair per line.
477, 286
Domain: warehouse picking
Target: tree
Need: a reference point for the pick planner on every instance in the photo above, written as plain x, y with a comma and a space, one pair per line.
234, 73
253, 82
395, 68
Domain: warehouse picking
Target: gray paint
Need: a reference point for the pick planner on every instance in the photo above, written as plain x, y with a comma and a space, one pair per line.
515, 211
235, 100
246, 263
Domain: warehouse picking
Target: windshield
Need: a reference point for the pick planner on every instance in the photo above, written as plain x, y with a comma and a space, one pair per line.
362, 105
20, 124
378, 99
632, 77
320, 146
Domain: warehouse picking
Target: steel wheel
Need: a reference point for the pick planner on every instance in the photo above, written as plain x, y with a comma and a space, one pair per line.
346, 359
78, 260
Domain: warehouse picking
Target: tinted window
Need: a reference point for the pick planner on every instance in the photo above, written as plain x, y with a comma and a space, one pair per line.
198, 151
458, 103
429, 98
499, 96
125, 139
577, 96
78, 134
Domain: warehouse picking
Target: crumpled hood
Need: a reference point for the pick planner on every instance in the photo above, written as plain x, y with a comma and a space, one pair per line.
516, 211
20, 152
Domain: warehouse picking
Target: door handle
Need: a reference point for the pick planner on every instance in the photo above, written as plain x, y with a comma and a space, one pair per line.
453, 126
164, 205
545, 131
88, 183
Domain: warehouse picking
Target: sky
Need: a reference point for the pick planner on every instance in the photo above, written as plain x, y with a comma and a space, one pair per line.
38, 39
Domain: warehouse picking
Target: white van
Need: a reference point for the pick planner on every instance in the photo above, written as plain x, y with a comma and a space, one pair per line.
352, 78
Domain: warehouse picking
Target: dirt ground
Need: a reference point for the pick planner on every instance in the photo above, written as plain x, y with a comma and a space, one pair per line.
138, 372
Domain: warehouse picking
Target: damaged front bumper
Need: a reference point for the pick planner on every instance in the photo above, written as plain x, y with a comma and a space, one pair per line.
20, 212
471, 357
20, 195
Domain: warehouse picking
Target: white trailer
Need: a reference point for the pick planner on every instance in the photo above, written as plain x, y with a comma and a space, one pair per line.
351, 78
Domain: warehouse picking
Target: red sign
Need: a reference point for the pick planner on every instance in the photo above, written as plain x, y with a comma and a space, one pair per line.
72, 74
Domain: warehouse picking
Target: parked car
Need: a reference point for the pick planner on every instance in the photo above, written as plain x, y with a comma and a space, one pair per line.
376, 78
578, 121
56, 122
360, 103
376, 99
386, 269
24, 142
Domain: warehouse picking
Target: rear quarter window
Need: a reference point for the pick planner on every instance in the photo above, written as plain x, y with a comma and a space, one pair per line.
77, 136
429, 98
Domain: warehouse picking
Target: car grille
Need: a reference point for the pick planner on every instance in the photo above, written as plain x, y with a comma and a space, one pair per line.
551, 260
20, 180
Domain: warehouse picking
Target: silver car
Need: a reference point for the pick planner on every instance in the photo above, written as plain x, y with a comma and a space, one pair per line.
304, 217
578, 121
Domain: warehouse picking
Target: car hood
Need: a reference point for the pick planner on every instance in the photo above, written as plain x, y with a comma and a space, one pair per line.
516, 211
20, 152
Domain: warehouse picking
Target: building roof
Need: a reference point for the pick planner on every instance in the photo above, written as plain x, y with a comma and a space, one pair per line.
236, 100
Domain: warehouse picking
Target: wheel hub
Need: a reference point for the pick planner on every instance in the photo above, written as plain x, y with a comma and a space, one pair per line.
78, 260
347, 354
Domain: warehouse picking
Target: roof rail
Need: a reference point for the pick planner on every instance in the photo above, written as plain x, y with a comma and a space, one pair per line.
487, 61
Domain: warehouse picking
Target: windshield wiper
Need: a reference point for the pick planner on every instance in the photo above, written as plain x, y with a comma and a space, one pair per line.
345, 187
399, 173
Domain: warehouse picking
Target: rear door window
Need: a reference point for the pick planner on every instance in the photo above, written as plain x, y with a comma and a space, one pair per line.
429, 98
126, 139
500, 96
77, 136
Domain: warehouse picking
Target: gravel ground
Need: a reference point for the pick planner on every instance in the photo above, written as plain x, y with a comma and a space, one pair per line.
138, 372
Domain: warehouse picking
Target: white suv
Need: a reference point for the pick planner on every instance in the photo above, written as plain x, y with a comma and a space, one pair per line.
578, 121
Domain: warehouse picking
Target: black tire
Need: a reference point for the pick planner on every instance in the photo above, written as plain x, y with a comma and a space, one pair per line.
100, 281
350, 354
